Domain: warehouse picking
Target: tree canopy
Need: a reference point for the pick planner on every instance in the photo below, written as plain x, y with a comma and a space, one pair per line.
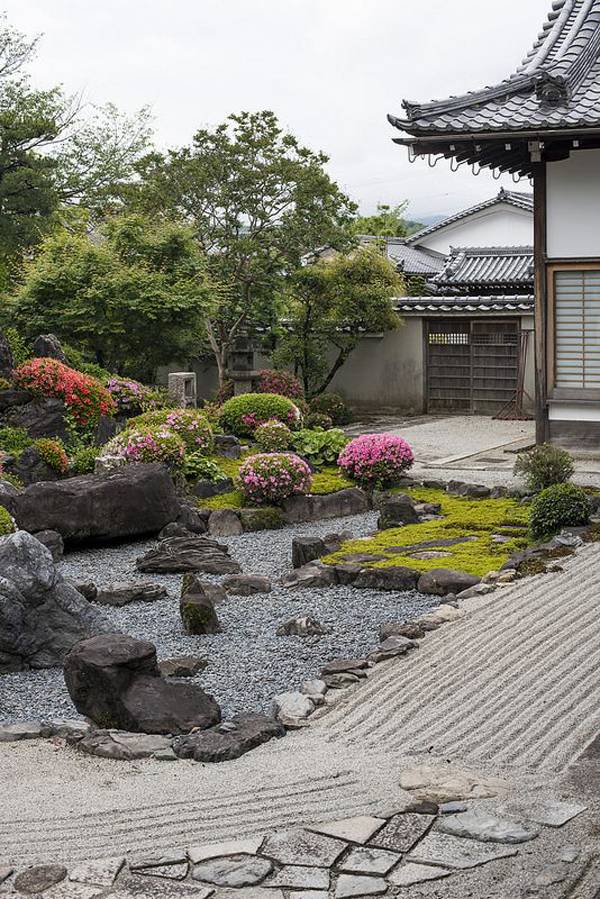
388, 221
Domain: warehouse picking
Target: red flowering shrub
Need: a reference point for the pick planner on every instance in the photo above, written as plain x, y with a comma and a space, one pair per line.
84, 396
376, 460
53, 454
282, 382
272, 477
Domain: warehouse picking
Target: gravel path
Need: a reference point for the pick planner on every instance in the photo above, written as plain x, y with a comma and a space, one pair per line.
247, 663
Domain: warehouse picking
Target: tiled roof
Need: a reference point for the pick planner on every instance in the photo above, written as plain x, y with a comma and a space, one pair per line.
412, 260
479, 267
512, 197
556, 87
471, 305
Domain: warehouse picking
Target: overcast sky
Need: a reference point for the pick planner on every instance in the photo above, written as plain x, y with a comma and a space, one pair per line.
330, 69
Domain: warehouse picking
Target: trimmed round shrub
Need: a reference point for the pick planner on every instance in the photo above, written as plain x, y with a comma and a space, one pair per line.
273, 437
52, 452
316, 420
14, 440
272, 477
332, 405
191, 425
376, 460
242, 415
544, 466
556, 507
283, 383
197, 467
83, 461
131, 397
152, 446
84, 396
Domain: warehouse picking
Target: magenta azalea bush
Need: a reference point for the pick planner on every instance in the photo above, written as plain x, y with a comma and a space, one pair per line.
191, 425
283, 383
376, 460
153, 446
130, 396
273, 436
272, 477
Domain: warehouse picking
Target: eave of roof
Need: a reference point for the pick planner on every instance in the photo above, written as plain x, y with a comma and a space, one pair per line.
489, 267
514, 198
466, 305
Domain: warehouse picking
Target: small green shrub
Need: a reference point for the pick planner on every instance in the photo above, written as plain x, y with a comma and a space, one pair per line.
191, 425
196, 467
7, 525
5, 384
544, 466
18, 347
556, 507
241, 415
332, 405
14, 440
83, 460
320, 447
52, 452
273, 437
316, 420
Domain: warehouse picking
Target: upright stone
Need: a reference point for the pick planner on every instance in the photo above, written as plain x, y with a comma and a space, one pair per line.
7, 363
48, 346
183, 388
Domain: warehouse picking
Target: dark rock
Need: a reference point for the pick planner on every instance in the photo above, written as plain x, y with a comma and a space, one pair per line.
41, 418
9, 495
192, 584
48, 346
7, 362
441, 581
39, 878
115, 681
14, 397
393, 578
193, 519
229, 740
41, 616
460, 488
107, 428
392, 647
455, 487
346, 573
351, 501
181, 554
247, 584
121, 594
30, 468
308, 549
302, 627
198, 614
594, 500
313, 575
52, 541
428, 508
434, 484
123, 745
425, 807
130, 501
341, 665
396, 511
175, 530
224, 523
343, 679
266, 519
227, 445
499, 492
410, 630
87, 589
182, 666
205, 488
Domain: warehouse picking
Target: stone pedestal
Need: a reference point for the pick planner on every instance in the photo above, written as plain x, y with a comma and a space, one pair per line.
183, 389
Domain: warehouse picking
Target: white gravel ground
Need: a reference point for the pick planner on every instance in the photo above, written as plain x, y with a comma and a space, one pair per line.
247, 662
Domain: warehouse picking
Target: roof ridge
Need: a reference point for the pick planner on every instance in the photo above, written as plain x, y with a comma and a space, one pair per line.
516, 250
513, 198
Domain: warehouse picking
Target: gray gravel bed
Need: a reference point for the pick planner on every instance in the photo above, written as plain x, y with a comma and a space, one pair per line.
247, 662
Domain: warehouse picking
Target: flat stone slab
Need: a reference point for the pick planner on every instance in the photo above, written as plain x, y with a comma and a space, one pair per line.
356, 830
39, 878
402, 832
67, 890
368, 860
252, 893
248, 846
349, 885
457, 852
551, 812
480, 825
164, 891
302, 847
301, 877
446, 783
233, 871
310, 894
102, 872
22, 730
409, 874
156, 861
171, 872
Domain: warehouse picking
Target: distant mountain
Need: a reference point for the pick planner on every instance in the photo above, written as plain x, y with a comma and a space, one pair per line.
432, 219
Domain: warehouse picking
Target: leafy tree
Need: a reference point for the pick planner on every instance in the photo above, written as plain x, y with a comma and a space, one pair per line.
332, 304
388, 221
258, 202
133, 298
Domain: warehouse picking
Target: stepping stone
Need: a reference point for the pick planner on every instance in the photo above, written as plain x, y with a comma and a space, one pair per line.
457, 852
23, 730
302, 847
355, 830
301, 877
402, 832
253, 893
446, 783
102, 872
66, 890
39, 878
233, 871
409, 874
310, 894
480, 825
552, 812
248, 846
170, 891
171, 872
157, 861
368, 860
349, 885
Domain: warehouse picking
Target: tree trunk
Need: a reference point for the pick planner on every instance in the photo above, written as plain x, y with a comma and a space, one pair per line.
341, 358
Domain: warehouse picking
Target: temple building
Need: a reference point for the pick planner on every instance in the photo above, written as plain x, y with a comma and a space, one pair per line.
542, 122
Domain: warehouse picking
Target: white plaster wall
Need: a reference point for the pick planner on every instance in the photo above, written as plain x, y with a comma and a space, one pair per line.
573, 206
500, 226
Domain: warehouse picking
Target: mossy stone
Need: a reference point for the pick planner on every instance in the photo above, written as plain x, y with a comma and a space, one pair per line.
268, 518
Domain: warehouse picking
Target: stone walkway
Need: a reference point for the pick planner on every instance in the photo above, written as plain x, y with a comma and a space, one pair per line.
510, 690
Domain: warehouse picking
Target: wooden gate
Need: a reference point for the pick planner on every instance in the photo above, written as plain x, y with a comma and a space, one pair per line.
472, 365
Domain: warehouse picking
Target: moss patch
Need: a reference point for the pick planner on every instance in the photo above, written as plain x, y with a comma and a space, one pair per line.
329, 480
478, 519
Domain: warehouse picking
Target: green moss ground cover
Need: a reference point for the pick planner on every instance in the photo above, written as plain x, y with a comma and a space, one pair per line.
463, 517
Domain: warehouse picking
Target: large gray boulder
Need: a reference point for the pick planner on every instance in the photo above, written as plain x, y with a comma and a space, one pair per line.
396, 511
351, 501
188, 554
48, 346
41, 616
131, 501
115, 680
442, 581
230, 740
41, 418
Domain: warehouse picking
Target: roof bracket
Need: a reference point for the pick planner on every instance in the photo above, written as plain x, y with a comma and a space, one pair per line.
552, 89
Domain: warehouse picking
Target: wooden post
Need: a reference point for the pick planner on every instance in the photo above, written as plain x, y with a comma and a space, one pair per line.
541, 302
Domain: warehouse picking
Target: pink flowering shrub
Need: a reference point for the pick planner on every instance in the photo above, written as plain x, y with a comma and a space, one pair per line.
273, 436
84, 396
152, 446
243, 414
376, 460
132, 397
191, 425
283, 383
272, 477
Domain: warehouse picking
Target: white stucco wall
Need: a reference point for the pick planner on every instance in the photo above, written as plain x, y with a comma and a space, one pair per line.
500, 226
573, 208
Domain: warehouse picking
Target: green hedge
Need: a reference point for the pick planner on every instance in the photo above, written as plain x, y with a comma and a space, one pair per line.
241, 415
